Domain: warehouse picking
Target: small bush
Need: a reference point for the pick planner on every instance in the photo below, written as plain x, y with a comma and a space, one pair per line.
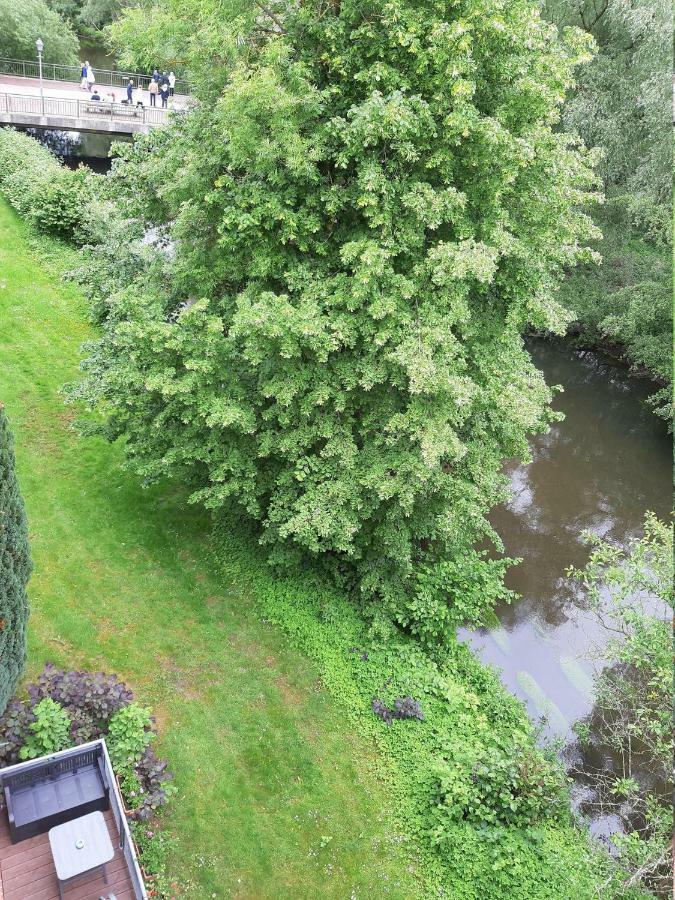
91, 698
404, 708
53, 198
14, 727
129, 734
155, 788
498, 785
49, 732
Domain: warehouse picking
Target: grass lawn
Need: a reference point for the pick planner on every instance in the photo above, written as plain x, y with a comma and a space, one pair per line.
277, 797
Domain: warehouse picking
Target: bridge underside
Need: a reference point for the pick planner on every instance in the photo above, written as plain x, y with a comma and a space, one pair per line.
96, 125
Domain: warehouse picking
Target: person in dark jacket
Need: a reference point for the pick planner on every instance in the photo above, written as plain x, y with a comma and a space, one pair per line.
164, 94
155, 76
130, 91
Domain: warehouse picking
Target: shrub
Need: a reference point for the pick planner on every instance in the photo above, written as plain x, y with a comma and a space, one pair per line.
154, 778
497, 785
65, 709
404, 708
92, 698
50, 731
14, 727
52, 197
15, 568
129, 733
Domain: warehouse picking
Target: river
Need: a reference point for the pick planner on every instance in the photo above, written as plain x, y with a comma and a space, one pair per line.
600, 469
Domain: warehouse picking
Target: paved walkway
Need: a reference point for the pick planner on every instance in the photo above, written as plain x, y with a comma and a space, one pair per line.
30, 87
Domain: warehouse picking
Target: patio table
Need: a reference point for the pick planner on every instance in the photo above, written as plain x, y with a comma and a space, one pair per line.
80, 846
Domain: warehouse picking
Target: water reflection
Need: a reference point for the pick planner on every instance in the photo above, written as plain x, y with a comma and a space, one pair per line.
600, 469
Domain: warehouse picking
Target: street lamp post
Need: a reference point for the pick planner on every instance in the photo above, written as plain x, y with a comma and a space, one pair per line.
40, 47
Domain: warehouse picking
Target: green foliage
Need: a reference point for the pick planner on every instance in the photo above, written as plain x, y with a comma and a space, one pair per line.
87, 16
497, 784
15, 569
626, 302
53, 198
23, 23
631, 591
377, 206
129, 733
50, 731
623, 105
623, 102
131, 789
470, 724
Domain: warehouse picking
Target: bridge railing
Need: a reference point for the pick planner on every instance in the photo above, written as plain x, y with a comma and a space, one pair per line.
64, 107
26, 68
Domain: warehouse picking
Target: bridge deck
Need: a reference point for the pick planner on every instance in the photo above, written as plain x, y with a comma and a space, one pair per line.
66, 107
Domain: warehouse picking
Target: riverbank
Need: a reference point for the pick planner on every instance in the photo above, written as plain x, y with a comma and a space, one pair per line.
286, 788
623, 306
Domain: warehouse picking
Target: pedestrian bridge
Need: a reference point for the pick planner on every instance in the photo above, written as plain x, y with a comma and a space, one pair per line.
75, 114
49, 97
29, 69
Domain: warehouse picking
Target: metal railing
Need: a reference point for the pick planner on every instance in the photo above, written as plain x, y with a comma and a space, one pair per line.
26, 68
75, 108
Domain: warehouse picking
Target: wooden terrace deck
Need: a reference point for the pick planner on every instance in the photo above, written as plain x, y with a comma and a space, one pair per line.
27, 871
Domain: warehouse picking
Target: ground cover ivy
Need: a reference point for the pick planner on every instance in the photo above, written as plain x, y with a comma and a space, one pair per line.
473, 830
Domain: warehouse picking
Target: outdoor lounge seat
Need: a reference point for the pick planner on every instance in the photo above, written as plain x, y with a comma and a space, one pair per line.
53, 793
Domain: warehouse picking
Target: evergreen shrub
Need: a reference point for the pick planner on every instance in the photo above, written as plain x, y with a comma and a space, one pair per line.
15, 569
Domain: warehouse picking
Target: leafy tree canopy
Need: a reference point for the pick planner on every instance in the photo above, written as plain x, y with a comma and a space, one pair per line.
362, 223
85, 15
623, 105
23, 23
623, 102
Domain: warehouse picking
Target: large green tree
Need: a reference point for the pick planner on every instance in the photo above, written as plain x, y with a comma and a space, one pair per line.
623, 105
623, 102
364, 220
23, 23
15, 568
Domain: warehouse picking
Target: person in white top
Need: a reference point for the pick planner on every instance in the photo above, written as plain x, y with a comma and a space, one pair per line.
172, 83
91, 78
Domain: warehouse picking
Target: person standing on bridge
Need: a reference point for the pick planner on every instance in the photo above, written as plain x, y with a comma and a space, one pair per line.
172, 83
130, 92
91, 78
153, 89
83, 77
164, 93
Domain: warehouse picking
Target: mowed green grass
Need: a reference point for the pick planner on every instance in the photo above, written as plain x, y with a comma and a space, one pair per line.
267, 770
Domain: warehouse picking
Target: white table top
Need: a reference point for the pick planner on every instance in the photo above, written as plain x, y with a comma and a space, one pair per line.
80, 845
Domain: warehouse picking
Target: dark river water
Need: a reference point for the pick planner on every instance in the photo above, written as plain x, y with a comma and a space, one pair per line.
600, 469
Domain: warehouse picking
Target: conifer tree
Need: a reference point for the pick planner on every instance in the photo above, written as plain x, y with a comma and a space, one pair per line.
15, 569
